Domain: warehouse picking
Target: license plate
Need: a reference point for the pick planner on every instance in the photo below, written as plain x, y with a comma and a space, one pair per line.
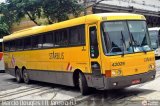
137, 81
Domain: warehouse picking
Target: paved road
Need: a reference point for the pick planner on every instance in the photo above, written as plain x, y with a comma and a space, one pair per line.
11, 90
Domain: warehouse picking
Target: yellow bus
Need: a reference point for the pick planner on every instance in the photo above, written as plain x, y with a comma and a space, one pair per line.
103, 51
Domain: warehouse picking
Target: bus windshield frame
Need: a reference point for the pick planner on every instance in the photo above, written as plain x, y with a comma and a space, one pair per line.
125, 37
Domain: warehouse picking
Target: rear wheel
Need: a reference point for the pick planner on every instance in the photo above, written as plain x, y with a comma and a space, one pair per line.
18, 75
83, 84
26, 76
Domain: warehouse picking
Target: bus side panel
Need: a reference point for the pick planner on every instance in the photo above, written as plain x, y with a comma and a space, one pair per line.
50, 65
51, 77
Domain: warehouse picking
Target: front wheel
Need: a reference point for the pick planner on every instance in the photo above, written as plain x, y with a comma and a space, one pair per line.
26, 76
18, 76
83, 84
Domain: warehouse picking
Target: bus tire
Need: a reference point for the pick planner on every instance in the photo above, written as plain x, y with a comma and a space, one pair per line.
83, 84
18, 75
26, 76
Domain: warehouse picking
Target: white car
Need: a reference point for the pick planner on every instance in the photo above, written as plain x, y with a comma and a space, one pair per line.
155, 39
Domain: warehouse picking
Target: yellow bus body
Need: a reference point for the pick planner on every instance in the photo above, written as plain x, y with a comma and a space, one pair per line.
51, 65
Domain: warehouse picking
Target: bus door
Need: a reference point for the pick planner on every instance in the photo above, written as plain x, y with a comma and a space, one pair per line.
95, 60
158, 38
158, 42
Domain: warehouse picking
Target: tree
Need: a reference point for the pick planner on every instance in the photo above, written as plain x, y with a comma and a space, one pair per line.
22, 8
59, 10
6, 15
4, 27
51, 10
6, 19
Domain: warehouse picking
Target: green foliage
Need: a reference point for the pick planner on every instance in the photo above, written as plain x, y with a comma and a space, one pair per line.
21, 8
58, 10
8, 15
51, 10
4, 28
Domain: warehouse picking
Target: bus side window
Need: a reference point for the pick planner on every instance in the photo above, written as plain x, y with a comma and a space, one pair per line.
47, 40
6, 46
34, 42
74, 37
40, 41
27, 43
94, 52
19, 44
12, 45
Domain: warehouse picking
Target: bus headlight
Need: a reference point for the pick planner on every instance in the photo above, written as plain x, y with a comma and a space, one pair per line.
113, 72
116, 72
151, 67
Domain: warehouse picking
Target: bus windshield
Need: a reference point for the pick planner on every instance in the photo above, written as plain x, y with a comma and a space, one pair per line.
154, 39
123, 37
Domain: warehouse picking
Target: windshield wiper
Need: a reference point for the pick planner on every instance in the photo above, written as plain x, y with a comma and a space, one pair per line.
142, 47
136, 44
123, 41
144, 50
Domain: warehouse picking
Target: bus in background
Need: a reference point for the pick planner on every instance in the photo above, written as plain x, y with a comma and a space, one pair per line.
155, 39
103, 51
1, 57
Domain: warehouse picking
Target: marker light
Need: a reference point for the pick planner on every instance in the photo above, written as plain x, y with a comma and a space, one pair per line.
108, 73
117, 72
114, 73
151, 67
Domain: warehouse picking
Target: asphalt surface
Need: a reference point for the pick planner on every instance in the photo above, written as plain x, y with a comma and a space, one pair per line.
139, 95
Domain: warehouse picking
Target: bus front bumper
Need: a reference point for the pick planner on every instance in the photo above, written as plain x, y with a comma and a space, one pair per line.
126, 81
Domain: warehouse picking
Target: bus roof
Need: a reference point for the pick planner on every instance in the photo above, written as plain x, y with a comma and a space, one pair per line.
154, 29
88, 19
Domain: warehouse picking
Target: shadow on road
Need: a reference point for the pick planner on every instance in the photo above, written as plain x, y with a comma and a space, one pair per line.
96, 97
116, 97
44, 84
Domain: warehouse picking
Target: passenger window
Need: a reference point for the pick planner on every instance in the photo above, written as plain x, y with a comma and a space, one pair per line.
35, 42
61, 38
82, 33
19, 44
27, 43
74, 37
12, 45
94, 52
40, 41
57, 38
47, 40
6, 46
77, 35
64, 38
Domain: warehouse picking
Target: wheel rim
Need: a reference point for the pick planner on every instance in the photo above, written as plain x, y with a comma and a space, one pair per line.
25, 76
80, 84
17, 75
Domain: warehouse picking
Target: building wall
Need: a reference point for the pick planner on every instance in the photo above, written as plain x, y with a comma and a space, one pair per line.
151, 5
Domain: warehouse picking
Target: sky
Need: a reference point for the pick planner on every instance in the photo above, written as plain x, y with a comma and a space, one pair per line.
2, 1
